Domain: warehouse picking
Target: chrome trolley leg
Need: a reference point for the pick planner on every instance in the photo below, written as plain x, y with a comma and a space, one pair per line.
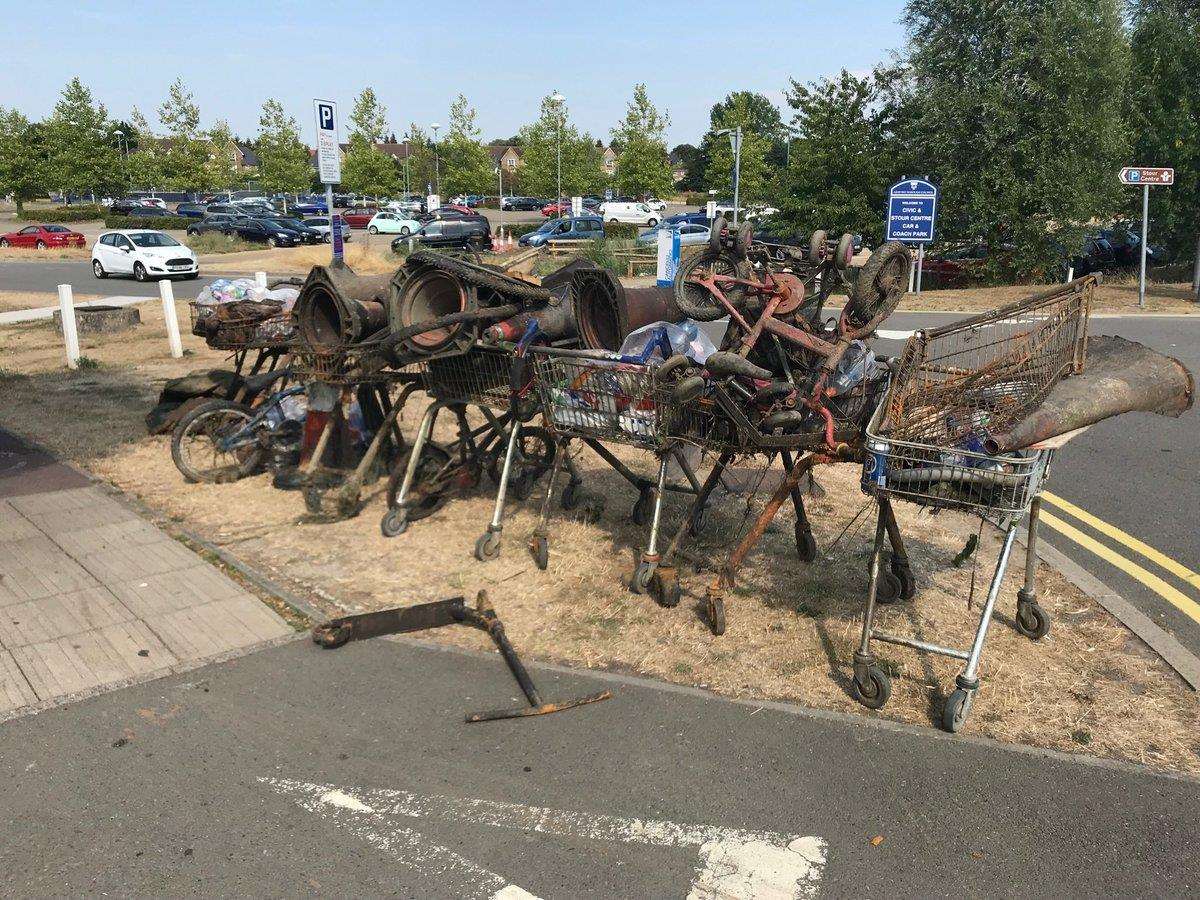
488, 545
1032, 621
539, 544
649, 561
395, 520
872, 687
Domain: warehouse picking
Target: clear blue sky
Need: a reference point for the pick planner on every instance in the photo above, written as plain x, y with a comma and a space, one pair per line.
419, 55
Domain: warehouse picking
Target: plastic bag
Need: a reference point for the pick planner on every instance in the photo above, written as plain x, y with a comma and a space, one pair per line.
686, 337
858, 364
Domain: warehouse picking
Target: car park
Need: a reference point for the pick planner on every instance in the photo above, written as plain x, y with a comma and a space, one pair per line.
264, 231
42, 237
655, 204
392, 223
359, 216
220, 222
448, 213
522, 204
632, 213
320, 224
474, 233
568, 228
696, 218
308, 207
557, 208
308, 235
143, 254
191, 210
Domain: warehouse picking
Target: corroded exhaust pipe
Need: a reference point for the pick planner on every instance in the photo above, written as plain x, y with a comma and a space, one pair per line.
606, 311
336, 308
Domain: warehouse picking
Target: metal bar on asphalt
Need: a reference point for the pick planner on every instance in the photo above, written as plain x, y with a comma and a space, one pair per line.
66, 304
167, 292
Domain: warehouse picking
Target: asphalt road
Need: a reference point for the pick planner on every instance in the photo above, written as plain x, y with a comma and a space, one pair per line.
1137, 472
259, 777
46, 276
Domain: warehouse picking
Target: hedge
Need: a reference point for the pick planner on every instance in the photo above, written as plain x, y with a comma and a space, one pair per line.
157, 223
621, 230
517, 229
695, 198
86, 213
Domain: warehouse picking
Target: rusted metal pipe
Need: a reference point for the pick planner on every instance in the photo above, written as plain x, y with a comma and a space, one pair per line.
1121, 376
606, 311
336, 308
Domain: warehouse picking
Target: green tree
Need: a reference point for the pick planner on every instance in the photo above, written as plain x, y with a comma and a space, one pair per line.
541, 141
185, 163
467, 166
838, 170
80, 157
143, 162
643, 167
691, 160
1162, 106
22, 158
762, 135
220, 169
283, 165
417, 171
366, 169
1020, 120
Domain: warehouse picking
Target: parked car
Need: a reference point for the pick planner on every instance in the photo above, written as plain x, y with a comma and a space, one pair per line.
221, 222
695, 218
522, 204
655, 204
320, 224
308, 207
568, 228
474, 233
409, 208
449, 213
952, 266
143, 254
42, 237
149, 212
457, 207
359, 216
633, 213
557, 208
689, 233
265, 231
191, 210
310, 235
392, 223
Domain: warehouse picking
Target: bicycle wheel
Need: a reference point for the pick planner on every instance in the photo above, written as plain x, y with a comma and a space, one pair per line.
880, 285
695, 300
196, 449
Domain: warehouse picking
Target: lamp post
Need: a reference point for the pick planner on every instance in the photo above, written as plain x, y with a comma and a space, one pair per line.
500, 199
735, 141
558, 102
437, 163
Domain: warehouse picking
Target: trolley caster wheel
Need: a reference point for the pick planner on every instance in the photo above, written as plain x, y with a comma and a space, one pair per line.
714, 608
571, 495
698, 522
908, 581
641, 577
312, 499
888, 588
1032, 620
487, 546
330, 637
665, 589
874, 691
644, 508
540, 548
394, 522
806, 544
954, 713
522, 486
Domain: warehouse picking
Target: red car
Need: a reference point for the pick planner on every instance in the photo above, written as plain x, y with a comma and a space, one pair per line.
43, 236
556, 209
458, 207
359, 216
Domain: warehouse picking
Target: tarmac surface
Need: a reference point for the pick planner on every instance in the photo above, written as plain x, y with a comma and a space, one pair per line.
297, 770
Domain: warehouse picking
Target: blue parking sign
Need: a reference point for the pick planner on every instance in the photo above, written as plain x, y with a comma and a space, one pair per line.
912, 209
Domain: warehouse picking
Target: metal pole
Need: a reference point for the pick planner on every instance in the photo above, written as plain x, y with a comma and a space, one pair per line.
1196, 271
1145, 229
912, 277
737, 169
500, 199
335, 232
558, 197
920, 264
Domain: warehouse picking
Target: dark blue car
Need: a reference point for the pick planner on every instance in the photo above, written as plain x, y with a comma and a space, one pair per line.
191, 210
308, 208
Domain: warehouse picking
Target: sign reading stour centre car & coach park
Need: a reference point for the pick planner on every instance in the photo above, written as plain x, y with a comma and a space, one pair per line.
912, 211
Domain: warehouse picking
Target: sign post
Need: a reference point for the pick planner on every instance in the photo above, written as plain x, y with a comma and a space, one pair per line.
1147, 177
912, 211
668, 256
710, 210
329, 167
576, 206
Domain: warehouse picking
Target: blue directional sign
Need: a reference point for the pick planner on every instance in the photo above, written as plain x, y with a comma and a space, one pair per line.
912, 209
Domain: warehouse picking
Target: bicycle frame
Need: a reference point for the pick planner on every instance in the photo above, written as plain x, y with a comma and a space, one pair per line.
247, 434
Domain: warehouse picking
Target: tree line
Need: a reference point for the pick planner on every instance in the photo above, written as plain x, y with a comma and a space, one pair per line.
1022, 112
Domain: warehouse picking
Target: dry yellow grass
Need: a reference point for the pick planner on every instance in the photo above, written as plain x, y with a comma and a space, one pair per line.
24, 254
15, 300
1089, 687
1111, 296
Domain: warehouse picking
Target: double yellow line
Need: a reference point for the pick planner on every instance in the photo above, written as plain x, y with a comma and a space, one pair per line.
1167, 591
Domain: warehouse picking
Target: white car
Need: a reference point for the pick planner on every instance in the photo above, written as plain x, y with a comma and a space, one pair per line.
633, 213
321, 224
655, 204
143, 254
392, 223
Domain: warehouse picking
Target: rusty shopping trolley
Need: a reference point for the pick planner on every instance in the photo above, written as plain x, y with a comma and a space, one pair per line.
930, 443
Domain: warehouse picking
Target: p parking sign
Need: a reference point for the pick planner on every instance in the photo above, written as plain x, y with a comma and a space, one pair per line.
329, 160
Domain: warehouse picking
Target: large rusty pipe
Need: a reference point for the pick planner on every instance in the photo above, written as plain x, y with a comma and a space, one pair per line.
336, 307
1121, 376
606, 311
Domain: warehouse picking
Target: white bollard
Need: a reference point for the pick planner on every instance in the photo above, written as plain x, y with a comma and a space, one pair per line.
912, 273
66, 303
260, 280
167, 292
1070, 274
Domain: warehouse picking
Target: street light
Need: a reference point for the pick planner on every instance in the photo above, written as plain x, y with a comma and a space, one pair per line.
735, 141
437, 163
558, 99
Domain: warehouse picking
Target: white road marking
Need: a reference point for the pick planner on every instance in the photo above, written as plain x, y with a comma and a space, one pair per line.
734, 864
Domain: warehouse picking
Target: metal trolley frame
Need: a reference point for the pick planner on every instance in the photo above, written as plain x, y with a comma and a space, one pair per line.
928, 443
